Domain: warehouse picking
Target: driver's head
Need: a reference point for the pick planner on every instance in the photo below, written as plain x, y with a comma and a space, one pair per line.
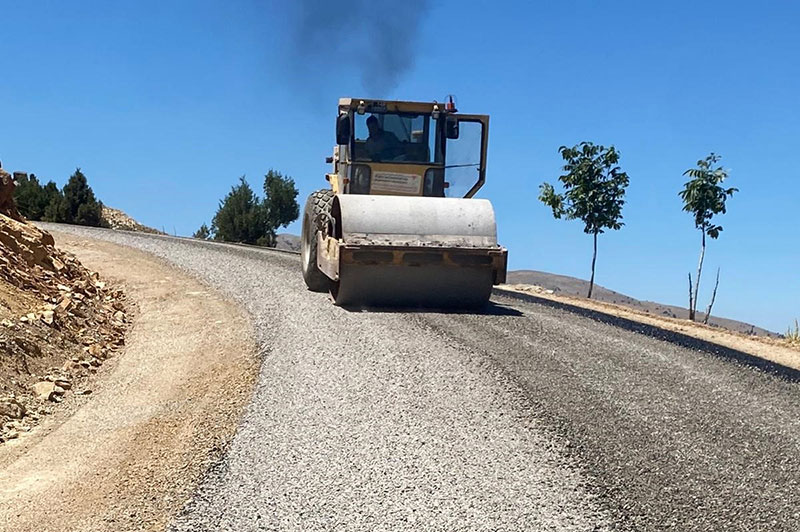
372, 125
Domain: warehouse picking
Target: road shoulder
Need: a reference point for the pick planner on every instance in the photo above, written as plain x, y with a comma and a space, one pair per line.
129, 456
773, 355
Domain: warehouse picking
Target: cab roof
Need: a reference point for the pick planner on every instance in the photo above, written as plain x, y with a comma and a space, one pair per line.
374, 105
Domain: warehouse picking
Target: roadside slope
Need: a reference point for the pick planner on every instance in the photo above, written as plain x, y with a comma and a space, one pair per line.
773, 351
572, 287
58, 323
128, 456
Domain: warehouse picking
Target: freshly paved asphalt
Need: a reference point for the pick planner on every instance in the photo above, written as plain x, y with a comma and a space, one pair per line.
528, 416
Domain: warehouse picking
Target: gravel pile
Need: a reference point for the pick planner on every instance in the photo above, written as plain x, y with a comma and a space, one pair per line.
116, 219
526, 417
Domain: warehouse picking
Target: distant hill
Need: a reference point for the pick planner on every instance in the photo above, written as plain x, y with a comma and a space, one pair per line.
571, 286
288, 242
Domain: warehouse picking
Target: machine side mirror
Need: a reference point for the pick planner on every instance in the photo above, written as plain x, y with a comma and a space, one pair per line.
343, 129
451, 127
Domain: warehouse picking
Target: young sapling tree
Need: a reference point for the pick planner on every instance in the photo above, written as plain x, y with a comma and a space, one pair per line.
594, 191
704, 197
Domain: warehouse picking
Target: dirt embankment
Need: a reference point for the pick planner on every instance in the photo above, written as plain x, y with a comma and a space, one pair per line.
58, 323
129, 456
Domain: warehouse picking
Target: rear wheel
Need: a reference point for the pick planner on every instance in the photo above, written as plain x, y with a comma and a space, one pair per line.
318, 207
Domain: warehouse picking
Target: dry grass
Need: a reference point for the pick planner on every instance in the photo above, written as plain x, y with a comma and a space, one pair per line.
793, 334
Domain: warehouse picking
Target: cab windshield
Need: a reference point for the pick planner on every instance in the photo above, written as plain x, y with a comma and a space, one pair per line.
398, 138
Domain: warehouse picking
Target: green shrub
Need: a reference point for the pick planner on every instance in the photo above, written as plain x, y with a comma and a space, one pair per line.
204, 233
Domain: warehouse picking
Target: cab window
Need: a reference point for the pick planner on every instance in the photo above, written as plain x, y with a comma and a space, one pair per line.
396, 138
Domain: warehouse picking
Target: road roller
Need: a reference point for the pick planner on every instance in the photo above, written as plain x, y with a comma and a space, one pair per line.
399, 225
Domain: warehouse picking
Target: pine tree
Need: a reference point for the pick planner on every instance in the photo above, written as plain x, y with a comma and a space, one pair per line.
243, 217
280, 203
80, 205
54, 207
29, 196
240, 217
50, 194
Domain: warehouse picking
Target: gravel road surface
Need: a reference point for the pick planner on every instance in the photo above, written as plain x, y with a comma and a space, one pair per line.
525, 417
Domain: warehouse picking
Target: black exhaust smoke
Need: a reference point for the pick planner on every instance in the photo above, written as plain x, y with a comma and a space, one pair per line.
378, 37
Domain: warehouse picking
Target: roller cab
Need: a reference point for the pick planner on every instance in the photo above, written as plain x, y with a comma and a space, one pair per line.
399, 225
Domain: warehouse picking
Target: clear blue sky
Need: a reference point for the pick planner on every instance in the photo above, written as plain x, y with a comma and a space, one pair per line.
164, 104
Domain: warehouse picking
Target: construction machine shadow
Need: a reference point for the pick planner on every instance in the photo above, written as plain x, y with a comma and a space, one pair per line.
489, 309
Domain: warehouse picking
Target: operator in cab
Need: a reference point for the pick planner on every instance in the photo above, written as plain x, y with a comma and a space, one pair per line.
381, 144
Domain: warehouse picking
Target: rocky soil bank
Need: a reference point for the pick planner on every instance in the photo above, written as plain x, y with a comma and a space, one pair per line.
58, 323
116, 219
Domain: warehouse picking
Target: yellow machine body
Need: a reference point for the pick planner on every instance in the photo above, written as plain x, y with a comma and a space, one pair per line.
400, 226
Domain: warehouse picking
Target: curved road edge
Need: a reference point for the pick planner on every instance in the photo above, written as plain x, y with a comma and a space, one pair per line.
131, 454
